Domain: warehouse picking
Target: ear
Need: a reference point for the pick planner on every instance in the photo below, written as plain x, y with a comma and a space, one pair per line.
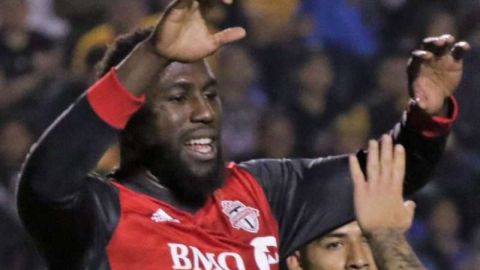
293, 261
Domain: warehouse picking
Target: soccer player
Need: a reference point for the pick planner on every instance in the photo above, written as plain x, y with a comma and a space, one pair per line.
377, 240
346, 247
173, 204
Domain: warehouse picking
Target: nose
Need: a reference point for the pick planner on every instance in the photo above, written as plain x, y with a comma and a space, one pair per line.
357, 258
202, 110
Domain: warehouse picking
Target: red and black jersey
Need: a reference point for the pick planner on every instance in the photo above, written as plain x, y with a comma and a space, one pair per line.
264, 211
234, 230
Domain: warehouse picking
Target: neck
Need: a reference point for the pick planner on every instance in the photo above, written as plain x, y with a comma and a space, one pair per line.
145, 182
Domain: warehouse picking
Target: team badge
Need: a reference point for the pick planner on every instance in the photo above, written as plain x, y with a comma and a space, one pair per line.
241, 216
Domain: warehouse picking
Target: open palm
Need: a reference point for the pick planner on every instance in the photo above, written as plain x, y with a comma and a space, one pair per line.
182, 33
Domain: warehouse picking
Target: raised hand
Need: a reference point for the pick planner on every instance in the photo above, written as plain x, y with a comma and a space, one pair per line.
435, 71
182, 33
379, 203
381, 212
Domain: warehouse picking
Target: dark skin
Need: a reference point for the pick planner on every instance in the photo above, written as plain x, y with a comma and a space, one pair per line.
186, 106
183, 97
182, 36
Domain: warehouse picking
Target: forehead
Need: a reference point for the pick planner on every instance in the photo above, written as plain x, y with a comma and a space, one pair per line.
195, 73
351, 229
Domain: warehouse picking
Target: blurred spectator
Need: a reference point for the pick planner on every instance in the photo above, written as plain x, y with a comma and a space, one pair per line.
443, 249
467, 128
242, 102
274, 43
347, 31
43, 19
310, 106
15, 140
268, 19
387, 102
441, 22
276, 136
16, 250
341, 24
455, 175
123, 16
20, 53
18, 43
350, 132
474, 261
404, 22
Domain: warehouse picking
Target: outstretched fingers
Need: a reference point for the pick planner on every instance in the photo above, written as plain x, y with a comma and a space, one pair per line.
438, 45
229, 35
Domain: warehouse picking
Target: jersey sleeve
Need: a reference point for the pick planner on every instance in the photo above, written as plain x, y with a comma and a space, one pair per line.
310, 197
59, 204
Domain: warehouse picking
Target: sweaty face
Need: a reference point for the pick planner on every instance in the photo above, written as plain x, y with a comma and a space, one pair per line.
184, 150
343, 248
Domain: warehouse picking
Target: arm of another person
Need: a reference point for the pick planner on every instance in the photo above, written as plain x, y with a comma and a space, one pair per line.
310, 197
381, 212
53, 179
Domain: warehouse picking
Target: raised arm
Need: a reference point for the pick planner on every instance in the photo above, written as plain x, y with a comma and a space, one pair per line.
311, 197
70, 148
434, 73
64, 210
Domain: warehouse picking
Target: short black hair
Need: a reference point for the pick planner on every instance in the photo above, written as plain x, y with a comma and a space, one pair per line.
120, 49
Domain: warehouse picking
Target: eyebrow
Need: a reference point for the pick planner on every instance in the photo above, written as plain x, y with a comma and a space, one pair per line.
336, 235
187, 84
211, 82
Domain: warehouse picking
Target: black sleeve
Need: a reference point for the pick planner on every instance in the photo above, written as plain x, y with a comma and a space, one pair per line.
65, 210
311, 197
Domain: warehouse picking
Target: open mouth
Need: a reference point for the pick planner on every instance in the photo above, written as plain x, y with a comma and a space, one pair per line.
202, 148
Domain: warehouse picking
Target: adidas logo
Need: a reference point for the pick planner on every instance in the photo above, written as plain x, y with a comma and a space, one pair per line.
161, 216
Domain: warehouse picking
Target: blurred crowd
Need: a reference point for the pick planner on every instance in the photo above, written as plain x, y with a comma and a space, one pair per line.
313, 78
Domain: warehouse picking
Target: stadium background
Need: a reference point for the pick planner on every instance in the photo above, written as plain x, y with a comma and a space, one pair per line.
313, 78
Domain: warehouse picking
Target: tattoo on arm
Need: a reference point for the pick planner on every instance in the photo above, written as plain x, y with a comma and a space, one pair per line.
391, 250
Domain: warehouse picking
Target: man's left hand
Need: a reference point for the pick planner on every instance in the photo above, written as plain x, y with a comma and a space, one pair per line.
435, 71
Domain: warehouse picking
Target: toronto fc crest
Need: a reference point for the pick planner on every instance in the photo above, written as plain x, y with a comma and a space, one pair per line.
241, 216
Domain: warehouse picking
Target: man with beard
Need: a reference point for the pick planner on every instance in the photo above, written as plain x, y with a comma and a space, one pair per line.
173, 204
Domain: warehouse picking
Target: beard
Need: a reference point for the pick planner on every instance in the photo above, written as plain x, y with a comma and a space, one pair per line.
174, 173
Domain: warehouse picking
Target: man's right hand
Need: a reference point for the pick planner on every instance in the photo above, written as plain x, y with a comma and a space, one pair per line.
182, 33
381, 212
379, 203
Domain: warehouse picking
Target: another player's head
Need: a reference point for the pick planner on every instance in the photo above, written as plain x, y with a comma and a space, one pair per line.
343, 248
176, 135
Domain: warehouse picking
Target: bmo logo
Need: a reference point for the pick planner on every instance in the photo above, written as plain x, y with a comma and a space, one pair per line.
190, 257
185, 257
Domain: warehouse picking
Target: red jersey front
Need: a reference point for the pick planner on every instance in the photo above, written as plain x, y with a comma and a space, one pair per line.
234, 230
